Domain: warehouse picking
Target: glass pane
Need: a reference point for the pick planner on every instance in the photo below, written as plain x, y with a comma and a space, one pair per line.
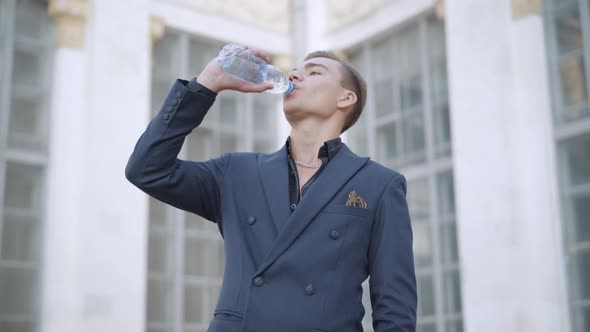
582, 321
577, 159
439, 80
159, 304
442, 129
201, 145
454, 326
18, 291
418, 199
422, 244
167, 55
16, 326
160, 90
30, 16
195, 256
581, 223
411, 92
26, 128
573, 83
384, 97
425, 295
214, 292
452, 292
158, 212
426, 327
450, 252
194, 312
26, 67
413, 126
446, 195
357, 138
159, 246
228, 143
20, 240
228, 109
23, 188
382, 60
265, 111
387, 142
580, 275
200, 53
568, 29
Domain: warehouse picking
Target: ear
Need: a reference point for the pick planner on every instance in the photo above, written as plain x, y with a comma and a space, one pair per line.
348, 98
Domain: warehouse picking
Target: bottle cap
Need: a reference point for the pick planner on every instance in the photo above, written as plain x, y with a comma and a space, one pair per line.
290, 88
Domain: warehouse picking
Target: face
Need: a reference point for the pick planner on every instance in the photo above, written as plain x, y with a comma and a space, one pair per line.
317, 93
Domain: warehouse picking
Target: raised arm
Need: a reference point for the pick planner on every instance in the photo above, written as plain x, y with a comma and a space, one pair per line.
154, 167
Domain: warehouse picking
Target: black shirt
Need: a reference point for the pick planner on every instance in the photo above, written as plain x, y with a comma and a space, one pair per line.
325, 154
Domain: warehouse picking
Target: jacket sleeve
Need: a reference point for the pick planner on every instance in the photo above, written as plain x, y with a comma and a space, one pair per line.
392, 281
154, 167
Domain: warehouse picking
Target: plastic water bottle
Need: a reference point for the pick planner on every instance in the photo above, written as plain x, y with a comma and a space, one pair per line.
246, 65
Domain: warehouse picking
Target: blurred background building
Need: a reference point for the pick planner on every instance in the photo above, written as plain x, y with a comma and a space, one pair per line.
483, 105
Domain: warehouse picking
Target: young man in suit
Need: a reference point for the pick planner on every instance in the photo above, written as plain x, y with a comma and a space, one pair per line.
303, 227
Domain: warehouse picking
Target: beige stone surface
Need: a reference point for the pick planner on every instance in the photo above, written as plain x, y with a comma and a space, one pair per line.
70, 17
273, 15
522, 8
342, 12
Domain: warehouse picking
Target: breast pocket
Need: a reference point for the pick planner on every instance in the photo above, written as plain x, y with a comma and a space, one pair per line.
362, 214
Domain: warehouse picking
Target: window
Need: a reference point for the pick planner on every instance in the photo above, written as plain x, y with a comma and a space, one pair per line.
567, 26
25, 45
186, 256
406, 126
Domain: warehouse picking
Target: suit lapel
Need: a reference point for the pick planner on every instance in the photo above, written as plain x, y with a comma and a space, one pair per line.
338, 171
274, 175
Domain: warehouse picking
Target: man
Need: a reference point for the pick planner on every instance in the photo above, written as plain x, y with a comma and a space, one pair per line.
303, 227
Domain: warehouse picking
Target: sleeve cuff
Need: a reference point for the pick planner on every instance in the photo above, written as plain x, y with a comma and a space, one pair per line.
196, 87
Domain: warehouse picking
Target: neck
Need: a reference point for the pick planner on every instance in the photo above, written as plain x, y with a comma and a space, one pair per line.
308, 138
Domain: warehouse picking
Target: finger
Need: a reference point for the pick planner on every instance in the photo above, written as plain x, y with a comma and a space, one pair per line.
261, 55
257, 88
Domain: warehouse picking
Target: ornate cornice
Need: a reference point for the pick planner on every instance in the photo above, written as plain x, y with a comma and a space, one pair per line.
157, 29
70, 17
522, 8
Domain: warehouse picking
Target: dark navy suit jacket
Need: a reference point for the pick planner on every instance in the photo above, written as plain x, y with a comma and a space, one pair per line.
287, 272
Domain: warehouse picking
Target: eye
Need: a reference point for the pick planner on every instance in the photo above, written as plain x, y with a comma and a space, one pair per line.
314, 73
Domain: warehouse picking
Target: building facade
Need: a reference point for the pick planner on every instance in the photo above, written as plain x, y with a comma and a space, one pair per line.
482, 105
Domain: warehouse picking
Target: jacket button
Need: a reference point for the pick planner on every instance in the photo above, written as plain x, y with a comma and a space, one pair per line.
258, 281
309, 290
174, 102
166, 116
178, 94
251, 220
334, 235
293, 206
169, 108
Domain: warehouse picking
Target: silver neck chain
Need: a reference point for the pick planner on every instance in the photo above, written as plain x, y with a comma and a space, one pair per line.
302, 164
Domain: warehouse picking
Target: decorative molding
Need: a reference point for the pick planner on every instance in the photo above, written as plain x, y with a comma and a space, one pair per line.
342, 12
284, 62
70, 17
439, 9
157, 29
271, 15
522, 8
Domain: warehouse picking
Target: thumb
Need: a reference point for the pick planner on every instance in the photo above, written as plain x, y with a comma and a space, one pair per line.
258, 88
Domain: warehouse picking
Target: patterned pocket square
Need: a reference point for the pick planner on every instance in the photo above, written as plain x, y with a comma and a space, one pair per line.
355, 200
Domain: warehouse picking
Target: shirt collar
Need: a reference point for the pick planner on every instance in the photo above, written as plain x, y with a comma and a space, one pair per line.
327, 150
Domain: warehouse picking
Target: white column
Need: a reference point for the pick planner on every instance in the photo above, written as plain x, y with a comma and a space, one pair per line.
508, 220
60, 279
114, 213
95, 239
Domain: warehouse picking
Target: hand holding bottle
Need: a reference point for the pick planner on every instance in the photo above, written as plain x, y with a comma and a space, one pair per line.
217, 79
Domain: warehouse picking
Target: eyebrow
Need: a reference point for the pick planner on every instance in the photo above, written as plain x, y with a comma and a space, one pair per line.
311, 64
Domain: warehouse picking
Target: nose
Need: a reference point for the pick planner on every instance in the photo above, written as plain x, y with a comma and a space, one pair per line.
294, 76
